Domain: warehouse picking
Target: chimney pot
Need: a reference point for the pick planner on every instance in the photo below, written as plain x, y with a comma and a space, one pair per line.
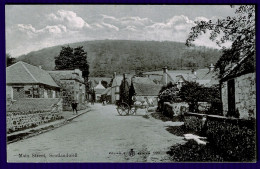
165, 80
165, 69
211, 67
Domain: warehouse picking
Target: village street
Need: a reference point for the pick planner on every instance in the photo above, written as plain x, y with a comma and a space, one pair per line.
100, 135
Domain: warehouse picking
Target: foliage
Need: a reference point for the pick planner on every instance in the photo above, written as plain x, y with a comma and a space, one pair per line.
124, 56
235, 138
126, 92
9, 60
104, 83
80, 61
69, 59
192, 93
240, 30
169, 93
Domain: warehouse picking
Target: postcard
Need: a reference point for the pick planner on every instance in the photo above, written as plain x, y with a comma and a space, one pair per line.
130, 83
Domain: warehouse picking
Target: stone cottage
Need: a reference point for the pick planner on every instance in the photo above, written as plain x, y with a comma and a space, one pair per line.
72, 87
27, 81
238, 89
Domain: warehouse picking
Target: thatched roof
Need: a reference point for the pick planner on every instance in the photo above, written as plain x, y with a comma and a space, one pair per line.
142, 89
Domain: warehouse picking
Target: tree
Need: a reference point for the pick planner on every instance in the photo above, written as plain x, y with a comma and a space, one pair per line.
240, 30
104, 83
168, 93
190, 93
9, 60
80, 61
70, 59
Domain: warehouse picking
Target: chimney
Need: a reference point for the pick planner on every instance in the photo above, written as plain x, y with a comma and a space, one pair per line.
124, 76
165, 69
78, 72
193, 72
211, 68
165, 76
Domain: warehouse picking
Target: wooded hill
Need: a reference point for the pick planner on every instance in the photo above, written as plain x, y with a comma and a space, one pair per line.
124, 56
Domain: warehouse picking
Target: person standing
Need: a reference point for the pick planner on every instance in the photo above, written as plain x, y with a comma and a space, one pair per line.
74, 106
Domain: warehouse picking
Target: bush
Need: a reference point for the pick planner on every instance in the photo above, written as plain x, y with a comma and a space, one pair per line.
168, 93
192, 93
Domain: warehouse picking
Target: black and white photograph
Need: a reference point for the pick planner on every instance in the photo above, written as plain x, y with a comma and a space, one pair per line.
130, 83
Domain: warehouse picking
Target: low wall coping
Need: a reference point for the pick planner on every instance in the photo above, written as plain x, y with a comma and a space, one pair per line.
171, 104
194, 114
249, 123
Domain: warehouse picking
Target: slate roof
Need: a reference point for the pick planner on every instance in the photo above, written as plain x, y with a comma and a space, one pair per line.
29, 104
144, 80
58, 75
117, 81
203, 76
99, 91
107, 91
24, 73
99, 86
244, 66
146, 89
156, 78
95, 80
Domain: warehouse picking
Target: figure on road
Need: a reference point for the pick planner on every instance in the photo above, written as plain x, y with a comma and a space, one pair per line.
93, 98
74, 105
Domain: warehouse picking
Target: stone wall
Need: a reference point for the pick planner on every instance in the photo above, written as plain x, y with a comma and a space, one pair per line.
175, 109
203, 107
245, 96
224, 97
234, 138
72, 90
17, 120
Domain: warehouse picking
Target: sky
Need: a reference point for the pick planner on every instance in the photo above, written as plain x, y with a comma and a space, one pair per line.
33, 27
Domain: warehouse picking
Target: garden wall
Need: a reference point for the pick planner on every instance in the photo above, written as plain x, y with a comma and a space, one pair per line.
175, 109
27, 113
234, 138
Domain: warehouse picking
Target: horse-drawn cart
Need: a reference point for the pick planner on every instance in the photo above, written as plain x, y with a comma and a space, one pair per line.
125, 109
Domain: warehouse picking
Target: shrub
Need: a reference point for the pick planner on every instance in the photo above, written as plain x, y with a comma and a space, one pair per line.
192, 93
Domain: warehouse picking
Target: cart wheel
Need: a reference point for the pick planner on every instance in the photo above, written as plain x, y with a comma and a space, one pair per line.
123, 109
132, 110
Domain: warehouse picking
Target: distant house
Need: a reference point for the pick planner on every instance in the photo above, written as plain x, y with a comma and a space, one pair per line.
27, 81
93, 81
238, 90
72, 87
143, 92
106, 95
98, 85
99, 89
142, 88
206, 77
